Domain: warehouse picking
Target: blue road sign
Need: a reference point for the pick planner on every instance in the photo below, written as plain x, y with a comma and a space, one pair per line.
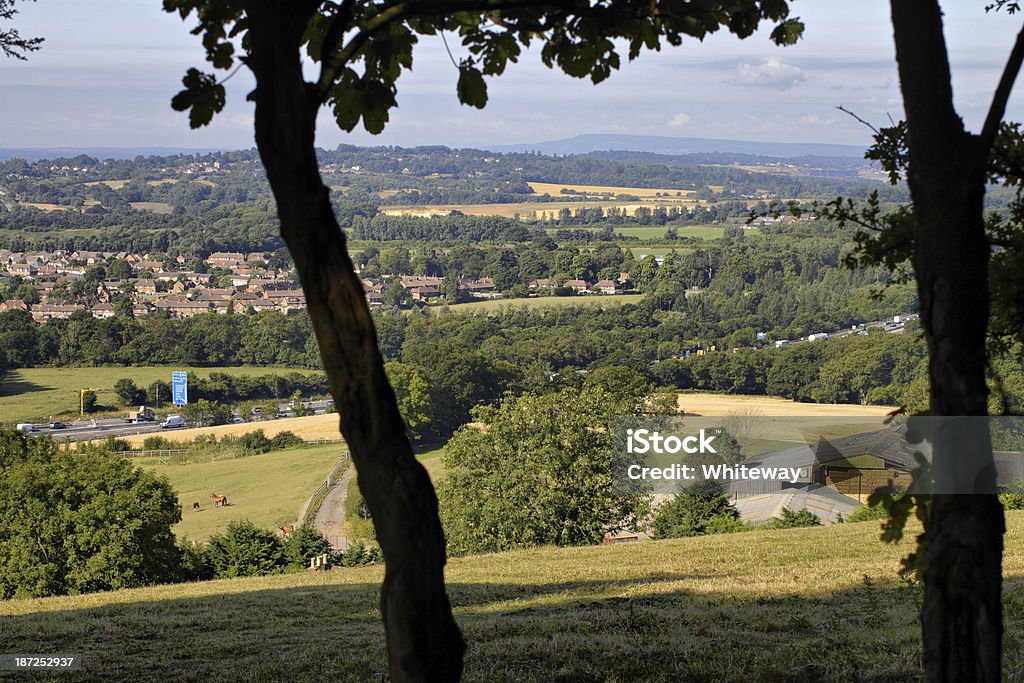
179, 388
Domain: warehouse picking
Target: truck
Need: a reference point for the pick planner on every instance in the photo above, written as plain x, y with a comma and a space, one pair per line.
143, 414
172, 422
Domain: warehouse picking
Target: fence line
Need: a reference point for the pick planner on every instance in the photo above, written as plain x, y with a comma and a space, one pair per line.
317, 499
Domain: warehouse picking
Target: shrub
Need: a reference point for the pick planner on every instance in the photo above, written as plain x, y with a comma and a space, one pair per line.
157, 443
255, 442
701, 509
358, 555
791, 520
306, 542
285, 440
868, 513
245, 550
357, 514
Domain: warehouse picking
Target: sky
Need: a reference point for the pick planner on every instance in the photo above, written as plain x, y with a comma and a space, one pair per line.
108, 68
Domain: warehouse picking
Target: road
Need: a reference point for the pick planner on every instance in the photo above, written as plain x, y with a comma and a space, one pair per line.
87, 430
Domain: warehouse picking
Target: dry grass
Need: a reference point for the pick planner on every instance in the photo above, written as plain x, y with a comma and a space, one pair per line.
530, 210
718, 405
311, 428
790, 605
154, 207
555, 190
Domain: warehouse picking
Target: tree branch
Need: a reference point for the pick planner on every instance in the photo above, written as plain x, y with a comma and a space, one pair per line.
998, 107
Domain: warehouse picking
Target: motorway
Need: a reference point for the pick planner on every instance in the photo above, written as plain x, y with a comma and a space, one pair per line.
87, 430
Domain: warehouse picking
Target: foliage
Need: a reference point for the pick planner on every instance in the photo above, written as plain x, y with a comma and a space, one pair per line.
701, 509
791, 520
203, 413
11, 42
357, 555
868, 513
304, 543
536, 470
129, 394
80, 522
245, 550
357, 514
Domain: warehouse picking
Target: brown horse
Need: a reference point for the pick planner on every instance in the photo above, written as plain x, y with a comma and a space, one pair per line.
195, 506
218, 500
287, 529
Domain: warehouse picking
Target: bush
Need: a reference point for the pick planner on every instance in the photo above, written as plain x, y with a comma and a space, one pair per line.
701, 509
868, 513
157, 443
305, 542
792, 520
245, 550
357, 514
358, 555
285, 440
254, 442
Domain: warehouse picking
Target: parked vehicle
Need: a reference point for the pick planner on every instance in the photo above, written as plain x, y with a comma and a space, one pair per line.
143, 414
173, 422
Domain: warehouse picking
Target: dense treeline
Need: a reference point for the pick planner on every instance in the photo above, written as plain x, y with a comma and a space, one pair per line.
204, 340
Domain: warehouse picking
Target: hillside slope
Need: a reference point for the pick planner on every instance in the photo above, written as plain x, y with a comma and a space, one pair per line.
804, 604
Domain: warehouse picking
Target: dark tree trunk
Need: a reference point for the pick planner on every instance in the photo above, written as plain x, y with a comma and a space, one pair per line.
962, 615
423, 640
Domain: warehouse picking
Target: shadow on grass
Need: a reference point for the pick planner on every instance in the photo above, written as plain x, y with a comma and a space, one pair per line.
654, 629
14, 387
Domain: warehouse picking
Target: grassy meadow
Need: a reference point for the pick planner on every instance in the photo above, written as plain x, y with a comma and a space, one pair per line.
267, 489
789, 605
494, 305
36, 394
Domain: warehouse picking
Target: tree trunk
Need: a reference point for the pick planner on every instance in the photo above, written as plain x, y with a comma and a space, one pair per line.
423, 640
962, 615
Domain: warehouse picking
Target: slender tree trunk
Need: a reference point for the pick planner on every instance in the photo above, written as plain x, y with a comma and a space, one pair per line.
423, 640
962, 615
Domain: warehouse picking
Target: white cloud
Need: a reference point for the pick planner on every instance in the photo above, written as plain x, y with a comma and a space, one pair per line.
679, 120
770, 74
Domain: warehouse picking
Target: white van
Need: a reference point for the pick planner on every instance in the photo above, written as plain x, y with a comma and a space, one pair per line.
25, 427
172, 422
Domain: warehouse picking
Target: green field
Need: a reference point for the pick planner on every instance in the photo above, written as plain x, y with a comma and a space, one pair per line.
37, 394
267, 489
434, 462
656, 232
820, 604
494, 305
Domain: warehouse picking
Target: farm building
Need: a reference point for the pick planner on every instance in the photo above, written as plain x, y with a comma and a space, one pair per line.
838, 475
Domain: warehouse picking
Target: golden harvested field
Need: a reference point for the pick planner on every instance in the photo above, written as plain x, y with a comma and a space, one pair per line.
720, 405
312, 428
531, 210
555, 190
155, 207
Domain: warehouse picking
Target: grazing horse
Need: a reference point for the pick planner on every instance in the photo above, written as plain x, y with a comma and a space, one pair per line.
287, 529
195, 506
218, 500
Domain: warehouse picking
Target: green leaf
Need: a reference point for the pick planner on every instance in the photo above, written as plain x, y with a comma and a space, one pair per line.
471, 88
202, 98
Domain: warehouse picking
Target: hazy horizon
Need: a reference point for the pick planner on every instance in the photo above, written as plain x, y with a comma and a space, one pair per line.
99, 82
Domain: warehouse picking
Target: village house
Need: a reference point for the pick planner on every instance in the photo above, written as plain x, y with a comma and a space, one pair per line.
578, 286
42, 313
13, 305
606, 286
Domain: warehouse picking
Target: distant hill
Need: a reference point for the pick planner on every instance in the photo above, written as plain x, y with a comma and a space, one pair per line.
599, 142
32, 154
